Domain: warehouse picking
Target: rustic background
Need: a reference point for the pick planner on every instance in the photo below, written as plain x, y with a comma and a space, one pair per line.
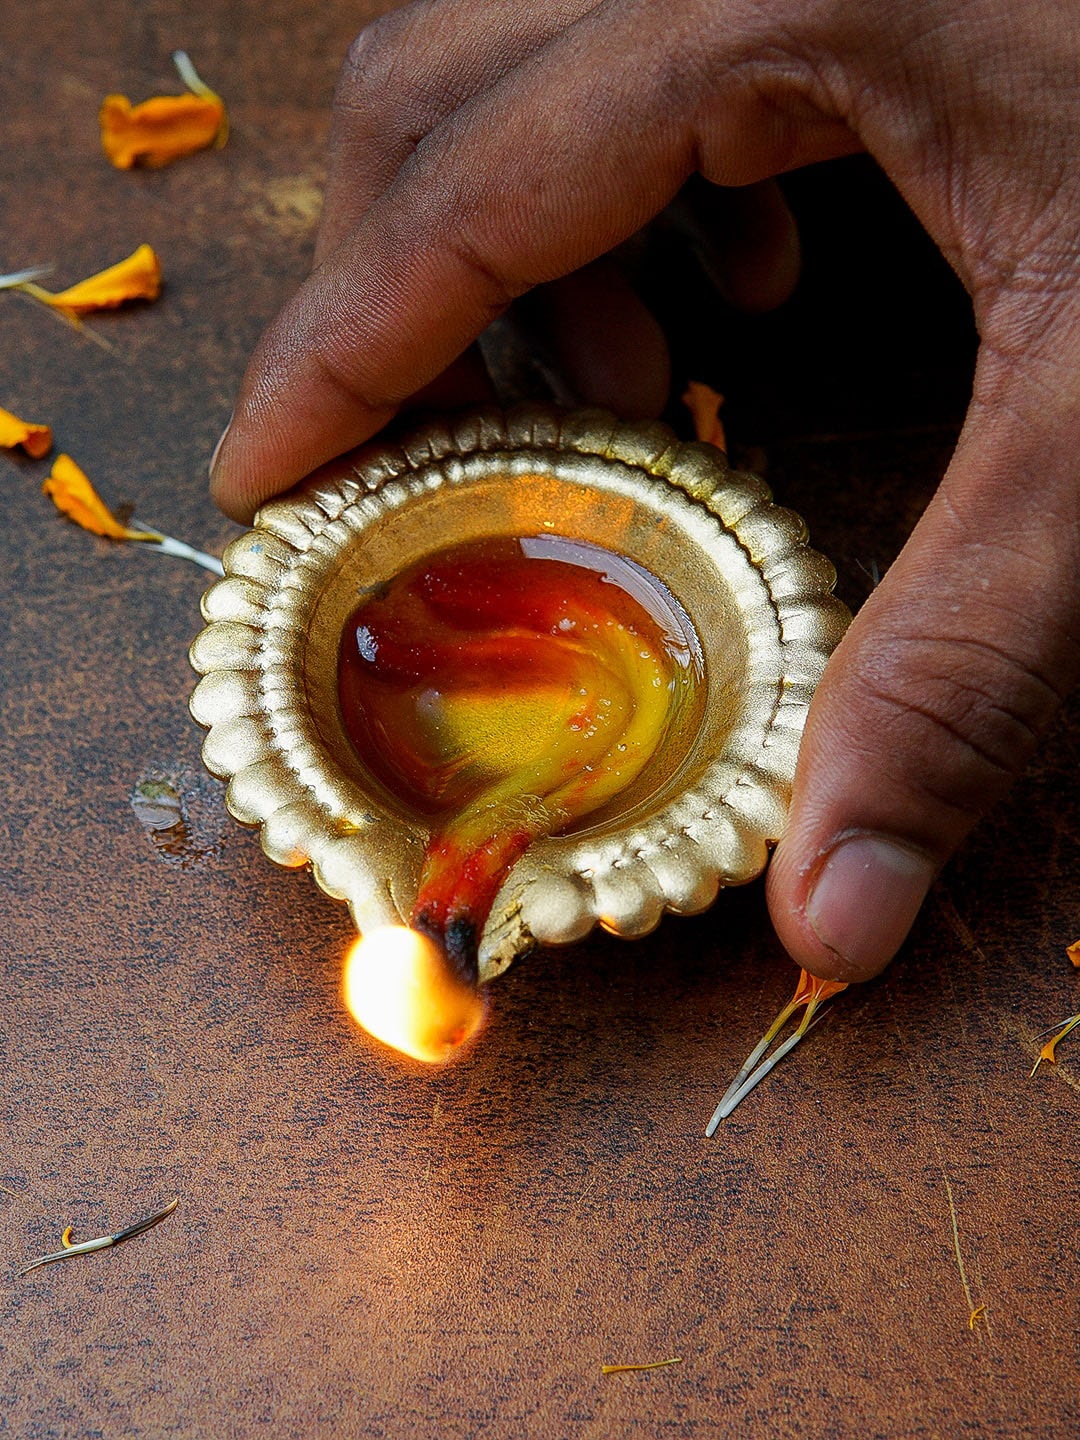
361, 1249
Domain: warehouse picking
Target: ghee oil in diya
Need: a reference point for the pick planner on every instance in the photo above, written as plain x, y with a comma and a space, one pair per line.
506, 690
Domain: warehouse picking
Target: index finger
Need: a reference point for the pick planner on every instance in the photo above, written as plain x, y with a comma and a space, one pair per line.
554, 165
407, 71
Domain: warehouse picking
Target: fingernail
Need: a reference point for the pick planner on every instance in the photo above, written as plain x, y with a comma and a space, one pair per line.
217, 448
865, 899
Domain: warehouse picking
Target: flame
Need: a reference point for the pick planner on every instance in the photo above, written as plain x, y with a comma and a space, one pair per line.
399, 987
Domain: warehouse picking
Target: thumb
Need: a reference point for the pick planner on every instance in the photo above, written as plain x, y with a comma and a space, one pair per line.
938, 694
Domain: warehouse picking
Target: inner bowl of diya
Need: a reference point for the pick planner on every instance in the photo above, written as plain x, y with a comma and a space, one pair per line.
509, 676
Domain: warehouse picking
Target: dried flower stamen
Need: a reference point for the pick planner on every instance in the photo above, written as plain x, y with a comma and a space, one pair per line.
103, 1242
1047, 1051
811, 993
647, 1365
15, 278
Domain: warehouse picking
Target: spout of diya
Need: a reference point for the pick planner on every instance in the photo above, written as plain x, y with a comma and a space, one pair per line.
506, 690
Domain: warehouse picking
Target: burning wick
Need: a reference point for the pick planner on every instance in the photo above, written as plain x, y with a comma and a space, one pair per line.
400, 988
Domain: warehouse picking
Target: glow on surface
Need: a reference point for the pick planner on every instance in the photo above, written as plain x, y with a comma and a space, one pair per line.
400, 989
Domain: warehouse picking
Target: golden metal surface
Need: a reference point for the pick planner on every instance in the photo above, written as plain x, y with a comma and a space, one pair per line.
703, 812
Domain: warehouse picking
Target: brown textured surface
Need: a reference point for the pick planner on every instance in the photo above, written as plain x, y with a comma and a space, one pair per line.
361, 1251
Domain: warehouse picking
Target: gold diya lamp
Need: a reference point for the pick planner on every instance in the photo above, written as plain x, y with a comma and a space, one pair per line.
511, 676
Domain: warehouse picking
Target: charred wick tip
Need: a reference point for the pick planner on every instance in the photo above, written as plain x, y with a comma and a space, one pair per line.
459, 941
463, 949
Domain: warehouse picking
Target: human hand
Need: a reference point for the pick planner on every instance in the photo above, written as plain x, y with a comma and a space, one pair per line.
484, 147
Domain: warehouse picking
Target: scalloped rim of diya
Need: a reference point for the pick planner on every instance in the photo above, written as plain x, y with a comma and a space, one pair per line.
701, 815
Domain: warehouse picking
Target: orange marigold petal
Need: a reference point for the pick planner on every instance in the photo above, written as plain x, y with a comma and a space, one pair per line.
72, 493
36, 440
160, 130
704, 403
811, 988
136, 278
1073, 952
1047, 1051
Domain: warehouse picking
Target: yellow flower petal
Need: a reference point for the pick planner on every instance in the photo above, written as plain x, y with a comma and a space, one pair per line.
158, 131
36, 440
704, 403
161, 129
1073, 952
72, 493
136, 278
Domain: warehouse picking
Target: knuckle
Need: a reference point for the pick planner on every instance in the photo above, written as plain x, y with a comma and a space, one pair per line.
961, 716
495, 288
372, 71
368, 57
344, 370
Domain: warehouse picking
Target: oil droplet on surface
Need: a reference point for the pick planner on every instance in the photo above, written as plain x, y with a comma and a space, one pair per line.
181, 814
157, 806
